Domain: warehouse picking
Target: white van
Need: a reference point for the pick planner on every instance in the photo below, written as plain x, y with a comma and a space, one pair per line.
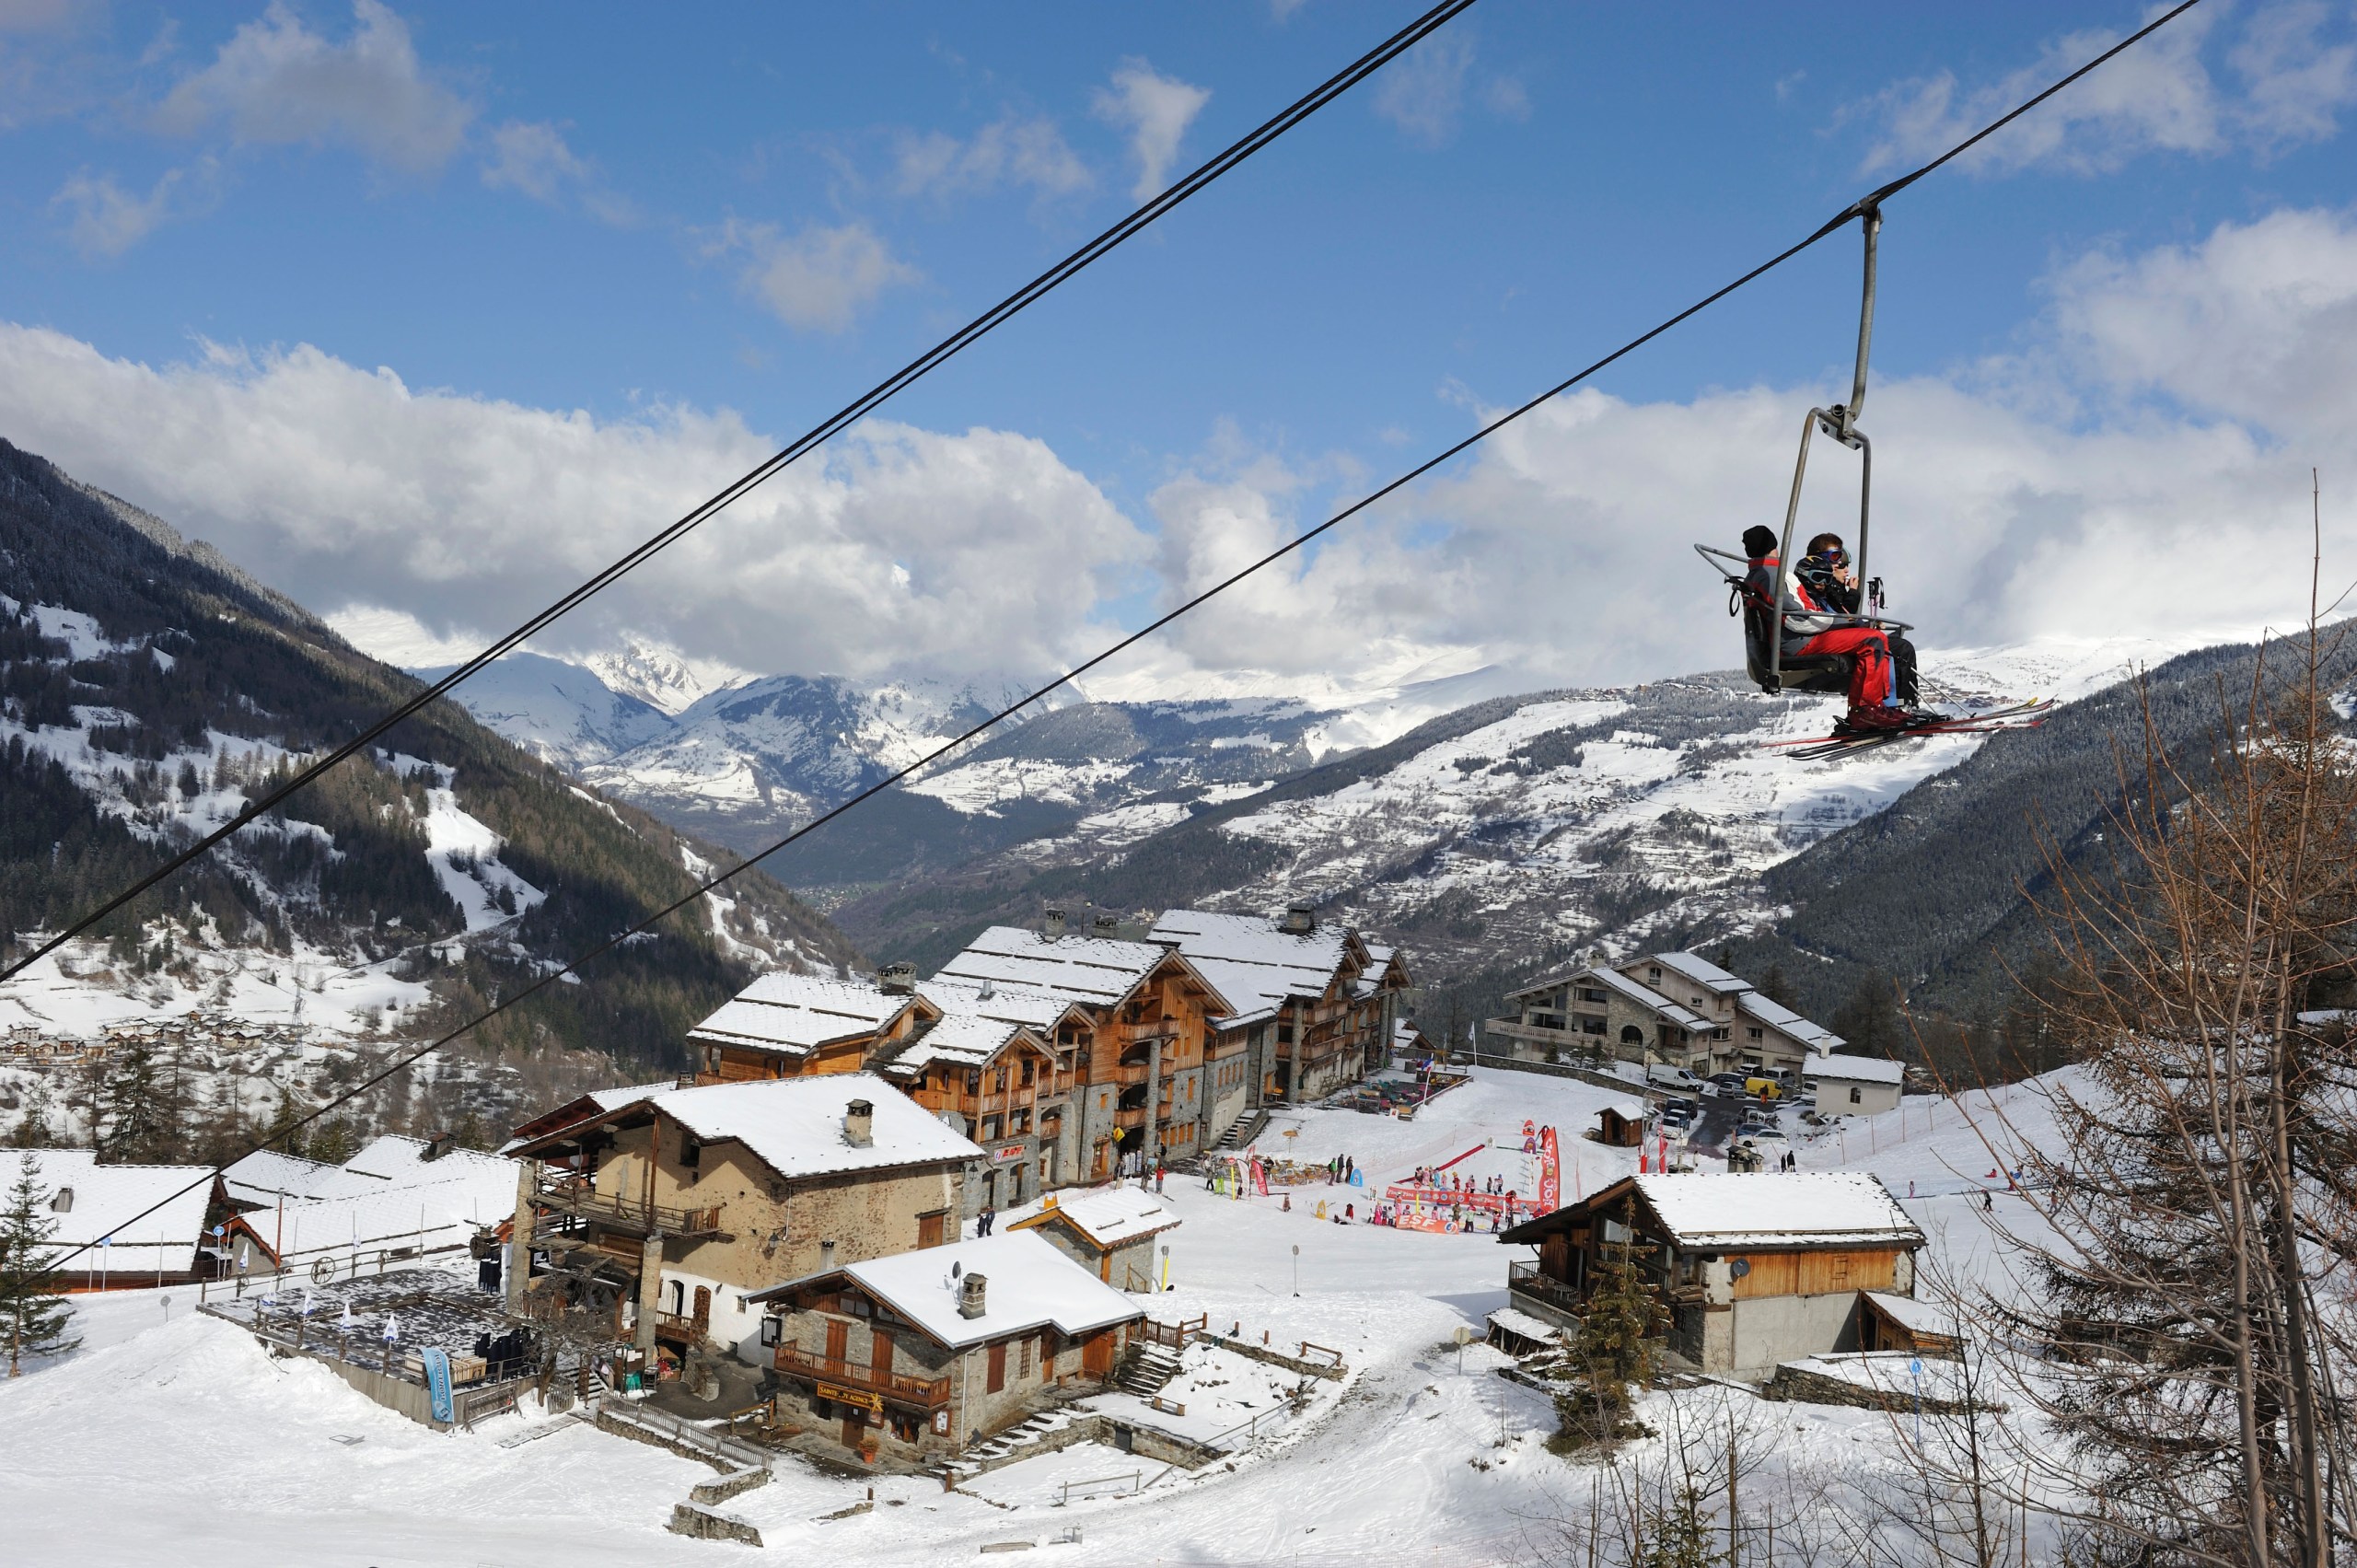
1669, 1078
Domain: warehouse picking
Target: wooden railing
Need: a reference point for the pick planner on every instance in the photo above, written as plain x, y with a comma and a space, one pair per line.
1527, 1278
1175, 1335
928, 1392
577, 1195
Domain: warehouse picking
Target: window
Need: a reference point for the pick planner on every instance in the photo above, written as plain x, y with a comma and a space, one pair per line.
1284, 1033
1591, 995
690, 1151
998, 1084
1590, 1026
974, 1082
62, 1201
1757, 1033
991, 1125
1632, 1034
1029, 1068
1652, 973
1857, 1096
772, 1332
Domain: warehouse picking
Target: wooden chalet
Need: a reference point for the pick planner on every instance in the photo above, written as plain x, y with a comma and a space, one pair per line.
1315, 1006
1135, 1033
1753, 1270
788, 1025
661, 1212
902, 1361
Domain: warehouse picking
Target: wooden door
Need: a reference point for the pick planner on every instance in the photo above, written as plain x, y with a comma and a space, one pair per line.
879, 1358
703, 1309
855, 1433
930, 1228
1097, 1354
998, 1367
838, 1342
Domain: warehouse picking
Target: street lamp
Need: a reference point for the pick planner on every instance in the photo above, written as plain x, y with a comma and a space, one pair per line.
1296, 1268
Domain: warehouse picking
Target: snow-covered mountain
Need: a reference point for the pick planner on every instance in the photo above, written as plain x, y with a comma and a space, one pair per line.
1510, 830
149, 690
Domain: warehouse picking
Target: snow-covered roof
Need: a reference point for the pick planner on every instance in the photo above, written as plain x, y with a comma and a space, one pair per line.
1703, 972
265, 1176
1815, 1036
795, 1125
1250, 962
796, 1014
962, 1038
107, 1199
1110, 1217
401, 1161
1915, 1317
1857, 1070
1027, 1284
583, 1108
429, 1216
1040, 1009
1614, 979
1098, 970
1800, 1208
1626, 1109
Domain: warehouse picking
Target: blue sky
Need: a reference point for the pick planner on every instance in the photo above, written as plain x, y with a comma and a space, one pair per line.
707, 231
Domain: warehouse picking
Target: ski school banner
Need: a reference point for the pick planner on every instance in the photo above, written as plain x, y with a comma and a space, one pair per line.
1444, 1198
1550, 1172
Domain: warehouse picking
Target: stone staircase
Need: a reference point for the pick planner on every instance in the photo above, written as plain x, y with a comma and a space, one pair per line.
1147, 1369
1244, 1132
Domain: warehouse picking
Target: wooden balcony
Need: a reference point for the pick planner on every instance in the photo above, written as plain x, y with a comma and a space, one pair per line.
1527, 1279
925, 1393
577, 1196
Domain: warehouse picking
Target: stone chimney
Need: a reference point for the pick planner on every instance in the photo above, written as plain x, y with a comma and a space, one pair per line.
1108, 925
970, 1295
1300, 919
859, 1123
896, 980
1054, 925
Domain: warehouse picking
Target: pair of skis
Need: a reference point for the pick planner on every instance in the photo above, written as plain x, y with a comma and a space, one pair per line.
2024, 716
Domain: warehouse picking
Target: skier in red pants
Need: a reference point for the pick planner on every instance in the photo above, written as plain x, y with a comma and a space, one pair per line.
1811, 628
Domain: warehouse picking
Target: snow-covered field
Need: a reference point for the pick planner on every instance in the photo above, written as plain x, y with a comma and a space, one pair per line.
173, 1437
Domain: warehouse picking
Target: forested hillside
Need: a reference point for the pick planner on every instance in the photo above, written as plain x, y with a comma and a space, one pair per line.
147, 687
1930, 892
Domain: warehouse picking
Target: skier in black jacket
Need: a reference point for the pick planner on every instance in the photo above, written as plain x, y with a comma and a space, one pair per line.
1826, 571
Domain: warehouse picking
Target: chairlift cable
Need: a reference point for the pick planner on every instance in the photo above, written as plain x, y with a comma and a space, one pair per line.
1006, 309
1122, 645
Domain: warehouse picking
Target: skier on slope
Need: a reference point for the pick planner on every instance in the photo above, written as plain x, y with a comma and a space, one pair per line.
1813, 627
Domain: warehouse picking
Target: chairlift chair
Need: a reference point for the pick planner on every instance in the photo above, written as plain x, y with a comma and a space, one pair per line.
1772, 669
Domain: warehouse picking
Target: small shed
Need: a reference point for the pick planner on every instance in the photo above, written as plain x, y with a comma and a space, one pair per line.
1621, 1124
1110, 1232
1889, 1322
1855, 1086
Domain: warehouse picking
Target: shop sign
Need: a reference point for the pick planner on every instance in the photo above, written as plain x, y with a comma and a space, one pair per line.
859, 1397
1012, 1152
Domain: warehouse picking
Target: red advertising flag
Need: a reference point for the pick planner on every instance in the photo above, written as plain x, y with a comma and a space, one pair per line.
1550, 1172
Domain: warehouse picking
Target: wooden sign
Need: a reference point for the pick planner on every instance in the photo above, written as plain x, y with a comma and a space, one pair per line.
859, 1397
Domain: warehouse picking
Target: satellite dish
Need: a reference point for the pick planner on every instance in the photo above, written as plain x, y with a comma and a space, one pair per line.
1739, 1268
955, 1269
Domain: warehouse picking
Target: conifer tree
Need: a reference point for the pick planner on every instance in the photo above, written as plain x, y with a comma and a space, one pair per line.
33, 1312
141, 1117
1611, 1354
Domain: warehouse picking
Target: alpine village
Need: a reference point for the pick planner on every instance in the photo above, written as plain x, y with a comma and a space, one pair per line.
1193, 943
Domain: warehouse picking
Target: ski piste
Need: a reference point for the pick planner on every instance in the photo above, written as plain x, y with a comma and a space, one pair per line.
2024, 716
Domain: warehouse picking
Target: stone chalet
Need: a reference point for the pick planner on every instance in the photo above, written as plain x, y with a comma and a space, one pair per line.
1752, 1270
1673, 1008
905, 1360
1110, 1232
658, 1212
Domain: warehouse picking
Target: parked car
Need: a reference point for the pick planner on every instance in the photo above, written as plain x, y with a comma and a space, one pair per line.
1763, 1086
1719, 1090
1667, 1078
1766, 1136
1733, 1079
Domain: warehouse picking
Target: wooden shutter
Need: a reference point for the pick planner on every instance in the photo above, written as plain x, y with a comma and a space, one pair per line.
998, 1368
838, 1340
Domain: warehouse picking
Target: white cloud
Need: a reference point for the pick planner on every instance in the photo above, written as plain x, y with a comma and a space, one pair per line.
1156, 110
533, 158
1423, 91
104, 219
2160, 95
276, 82
1008, 151
904, 550
817, 280
2142, 470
